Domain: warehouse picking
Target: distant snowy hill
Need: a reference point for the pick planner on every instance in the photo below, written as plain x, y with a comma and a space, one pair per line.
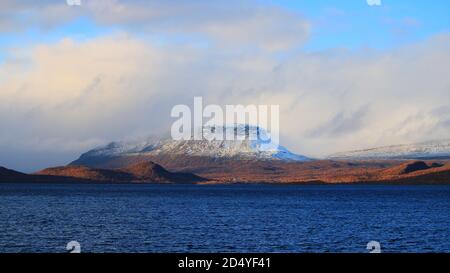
424, 150
253, 147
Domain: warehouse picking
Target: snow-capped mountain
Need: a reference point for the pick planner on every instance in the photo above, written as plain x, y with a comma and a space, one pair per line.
424, 150
254, 144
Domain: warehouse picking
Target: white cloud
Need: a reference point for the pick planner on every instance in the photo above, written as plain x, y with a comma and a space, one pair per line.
71, 95
237, 24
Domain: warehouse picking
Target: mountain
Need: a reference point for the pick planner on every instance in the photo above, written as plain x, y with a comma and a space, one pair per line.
412, 167
250, 160
143, 172
11, 176
149, 171
7, 174
278, 172
416, 172
424, 151
191, 154
86, 173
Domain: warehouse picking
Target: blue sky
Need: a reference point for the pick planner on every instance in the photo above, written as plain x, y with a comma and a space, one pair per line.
353, 23
80, 29
334, 24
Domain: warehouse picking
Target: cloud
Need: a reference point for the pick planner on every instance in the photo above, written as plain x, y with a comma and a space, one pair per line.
434, 122
403, 27
342, 123
19, 15
70, 96
239, 24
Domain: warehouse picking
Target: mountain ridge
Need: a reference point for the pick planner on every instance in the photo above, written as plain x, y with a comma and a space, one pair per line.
429, 150
144, 172
245, 161
253, 146
311, 172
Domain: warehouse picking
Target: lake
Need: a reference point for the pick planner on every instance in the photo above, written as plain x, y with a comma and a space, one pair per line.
223, 218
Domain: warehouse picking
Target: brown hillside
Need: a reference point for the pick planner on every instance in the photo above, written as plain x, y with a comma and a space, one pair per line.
143, 172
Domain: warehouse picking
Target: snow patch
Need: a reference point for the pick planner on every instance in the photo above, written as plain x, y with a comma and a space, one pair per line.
255, 145
430, 149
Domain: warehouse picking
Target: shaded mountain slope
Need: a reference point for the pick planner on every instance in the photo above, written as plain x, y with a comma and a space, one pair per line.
7, 174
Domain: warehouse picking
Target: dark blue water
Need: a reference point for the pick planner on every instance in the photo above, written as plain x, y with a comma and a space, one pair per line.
236, 218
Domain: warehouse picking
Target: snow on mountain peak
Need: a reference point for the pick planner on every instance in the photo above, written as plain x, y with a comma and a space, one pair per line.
250, 142
424, 150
